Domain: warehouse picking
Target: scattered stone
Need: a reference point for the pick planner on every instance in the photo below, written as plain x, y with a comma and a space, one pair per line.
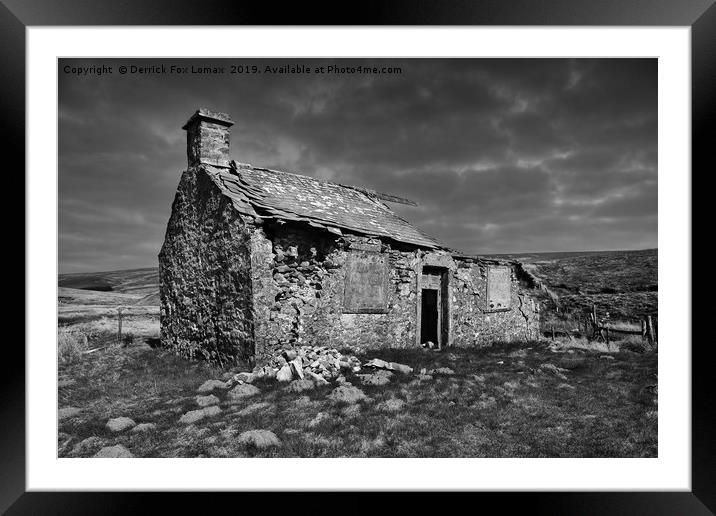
255, 407
87, 445
519, 353
567, 387
296, 367
192, 416
67, 412
303, 401
319, 380
210, 385
391, 366
320, 417
284, 374
380, 377
211, 411
303, 360
652, 414
607, 357
300, 386
196, 415
144, 427
346, 394
443, 370
478, 378
424, 377
114, 452
267, 373
243, 390
205, 401
391, 405
244, 377
119, 424
259, 439
67, 382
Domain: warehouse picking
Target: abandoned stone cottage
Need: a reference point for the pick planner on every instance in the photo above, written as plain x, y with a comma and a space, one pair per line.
256, 259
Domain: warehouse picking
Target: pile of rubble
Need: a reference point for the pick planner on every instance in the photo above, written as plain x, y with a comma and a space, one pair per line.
320, 364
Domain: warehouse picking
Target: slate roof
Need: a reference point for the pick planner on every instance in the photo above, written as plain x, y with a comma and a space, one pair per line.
265, 193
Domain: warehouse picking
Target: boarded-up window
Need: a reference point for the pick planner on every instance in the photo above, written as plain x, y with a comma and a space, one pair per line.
366, 283
498, 287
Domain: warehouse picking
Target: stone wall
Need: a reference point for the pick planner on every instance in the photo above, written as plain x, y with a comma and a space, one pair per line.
298, 283
298, 279
474, 324
204, 270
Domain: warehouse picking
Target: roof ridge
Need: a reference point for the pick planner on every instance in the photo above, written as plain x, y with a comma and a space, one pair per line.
368, 192
273, 170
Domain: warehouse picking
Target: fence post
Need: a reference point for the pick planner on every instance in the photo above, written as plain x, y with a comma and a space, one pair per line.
552, 332
650, 330
586, 329
643, 329
119, 325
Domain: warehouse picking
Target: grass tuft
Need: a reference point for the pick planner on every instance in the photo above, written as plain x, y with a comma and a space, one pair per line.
70, 345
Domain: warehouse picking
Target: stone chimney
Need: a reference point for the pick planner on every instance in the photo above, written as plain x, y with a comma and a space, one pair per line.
207, 138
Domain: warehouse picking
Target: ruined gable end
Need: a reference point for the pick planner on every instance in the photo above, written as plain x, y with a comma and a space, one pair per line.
204, 264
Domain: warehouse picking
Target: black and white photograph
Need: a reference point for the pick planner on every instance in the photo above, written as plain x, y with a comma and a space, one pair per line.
357, 257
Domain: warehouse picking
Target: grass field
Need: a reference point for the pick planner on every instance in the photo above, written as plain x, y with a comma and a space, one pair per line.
570, 398
500, 402
96, 312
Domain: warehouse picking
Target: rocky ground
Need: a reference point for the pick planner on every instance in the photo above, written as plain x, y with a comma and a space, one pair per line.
511, 400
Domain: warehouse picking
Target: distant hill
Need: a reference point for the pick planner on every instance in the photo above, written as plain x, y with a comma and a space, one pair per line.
595, 272
623, 283
76, 296
132, 281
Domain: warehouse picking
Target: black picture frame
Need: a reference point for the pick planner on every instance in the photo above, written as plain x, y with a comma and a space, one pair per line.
700, 15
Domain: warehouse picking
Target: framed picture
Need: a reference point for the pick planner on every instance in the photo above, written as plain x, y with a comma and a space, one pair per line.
229, 168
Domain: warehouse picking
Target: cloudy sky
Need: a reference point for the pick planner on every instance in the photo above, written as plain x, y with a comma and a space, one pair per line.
502, 155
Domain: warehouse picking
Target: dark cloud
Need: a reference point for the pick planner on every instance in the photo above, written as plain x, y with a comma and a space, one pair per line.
503, 155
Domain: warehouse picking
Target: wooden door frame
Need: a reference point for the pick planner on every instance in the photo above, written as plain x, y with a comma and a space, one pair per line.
444, 337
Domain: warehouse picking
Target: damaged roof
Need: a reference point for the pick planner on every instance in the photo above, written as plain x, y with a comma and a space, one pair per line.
266, 193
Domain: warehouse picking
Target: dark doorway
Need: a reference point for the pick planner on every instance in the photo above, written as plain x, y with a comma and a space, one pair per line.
429, 316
